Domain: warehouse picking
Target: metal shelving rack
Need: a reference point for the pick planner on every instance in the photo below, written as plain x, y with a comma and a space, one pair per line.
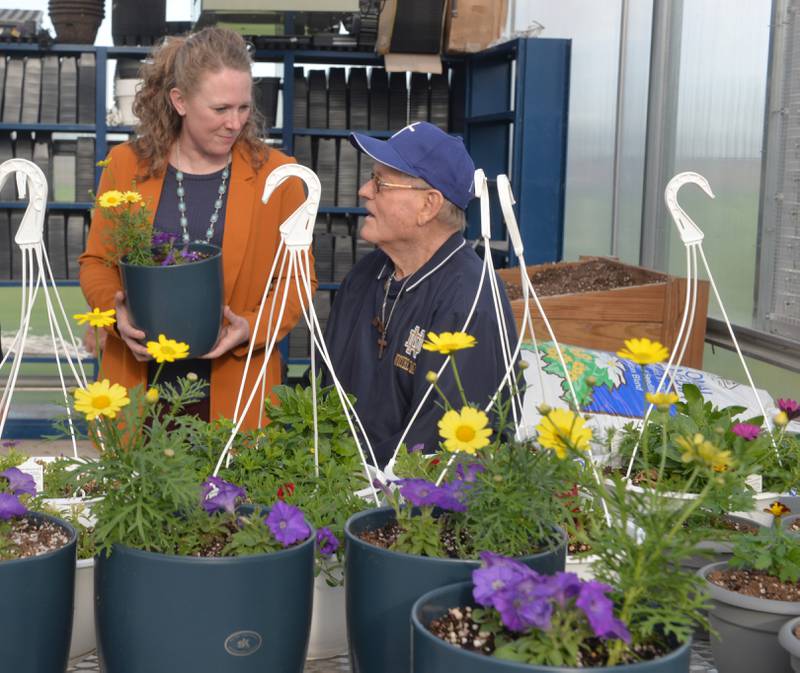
515, 122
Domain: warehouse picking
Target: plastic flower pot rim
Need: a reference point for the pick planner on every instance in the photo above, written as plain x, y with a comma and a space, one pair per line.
213, 254
791, 518
743, 600
178, 558
788, 640
73, 537
425, 633
433, 559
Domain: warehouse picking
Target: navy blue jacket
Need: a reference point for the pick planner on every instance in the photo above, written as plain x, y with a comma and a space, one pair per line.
437, 298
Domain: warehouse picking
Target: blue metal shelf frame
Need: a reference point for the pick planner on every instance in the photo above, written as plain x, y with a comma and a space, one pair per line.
516, 123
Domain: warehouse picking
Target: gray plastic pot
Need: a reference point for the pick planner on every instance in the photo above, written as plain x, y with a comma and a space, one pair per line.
381, 586
433, 655
160, 613
747, 629
791, 643
787, 520
182, 302
36, 619
718, 551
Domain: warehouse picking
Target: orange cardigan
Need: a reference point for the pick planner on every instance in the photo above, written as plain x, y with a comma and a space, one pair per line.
249, 244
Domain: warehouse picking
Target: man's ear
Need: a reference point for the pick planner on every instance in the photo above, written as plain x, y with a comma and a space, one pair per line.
430, 208
177, 100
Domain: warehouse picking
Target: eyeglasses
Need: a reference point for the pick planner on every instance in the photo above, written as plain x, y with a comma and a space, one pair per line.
380, 184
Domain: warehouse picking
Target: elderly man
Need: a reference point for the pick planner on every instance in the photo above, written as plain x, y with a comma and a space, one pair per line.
422, 279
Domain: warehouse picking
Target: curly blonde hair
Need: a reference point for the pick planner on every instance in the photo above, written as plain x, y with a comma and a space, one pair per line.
180, 62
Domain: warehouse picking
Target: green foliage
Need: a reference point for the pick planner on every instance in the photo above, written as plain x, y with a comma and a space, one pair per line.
518, 499
282, 454
539, 647
774, 550
640, 556
695, 416
149, 474
13, 458
780, 465
131, 235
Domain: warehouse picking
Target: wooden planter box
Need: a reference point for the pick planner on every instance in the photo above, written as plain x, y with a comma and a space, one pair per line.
604, 319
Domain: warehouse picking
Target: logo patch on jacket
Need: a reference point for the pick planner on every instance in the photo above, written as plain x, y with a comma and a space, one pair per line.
414, 342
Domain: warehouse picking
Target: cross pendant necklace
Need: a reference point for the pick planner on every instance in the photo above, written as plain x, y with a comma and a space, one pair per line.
382, 343
382, 322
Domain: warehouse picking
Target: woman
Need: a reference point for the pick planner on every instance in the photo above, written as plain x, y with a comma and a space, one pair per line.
200, 166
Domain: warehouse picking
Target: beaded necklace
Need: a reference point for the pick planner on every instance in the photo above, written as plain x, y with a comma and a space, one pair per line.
181, 192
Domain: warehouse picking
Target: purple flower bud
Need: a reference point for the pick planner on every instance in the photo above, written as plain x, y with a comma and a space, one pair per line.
169, 260
163, 238
327, 542
19, 482
417, 447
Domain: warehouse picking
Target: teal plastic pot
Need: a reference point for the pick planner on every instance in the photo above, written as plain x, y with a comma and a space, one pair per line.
159, 613
747, 627
381, 586
432, 655
182, 302
36, 619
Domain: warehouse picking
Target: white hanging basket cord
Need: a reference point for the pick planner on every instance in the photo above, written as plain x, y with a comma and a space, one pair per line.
692, 238
36, 271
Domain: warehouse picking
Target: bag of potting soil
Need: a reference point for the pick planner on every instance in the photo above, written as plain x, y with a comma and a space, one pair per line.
617, 395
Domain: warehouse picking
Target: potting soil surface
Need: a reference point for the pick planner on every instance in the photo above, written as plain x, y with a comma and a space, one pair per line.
702, 662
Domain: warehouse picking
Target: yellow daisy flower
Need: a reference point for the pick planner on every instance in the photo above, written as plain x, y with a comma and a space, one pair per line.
464, 431
167, 350
643, 351
561, 429
152, 395
448, 342
699, 449
132, 197
661, 401
111, 199
96, 317
103, 163
101, 398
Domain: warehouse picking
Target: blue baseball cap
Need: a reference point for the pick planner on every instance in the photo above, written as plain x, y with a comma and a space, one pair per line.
425, 151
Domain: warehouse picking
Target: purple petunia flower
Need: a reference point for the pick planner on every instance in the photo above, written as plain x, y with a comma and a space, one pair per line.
419, 492
496, 575
424, 493
468, 475
790, 407
287, 523
525, 604
450, 497
599, 610
327, 542
563, 586
747, 431
10, 506
18, 481
224, 495
163, 238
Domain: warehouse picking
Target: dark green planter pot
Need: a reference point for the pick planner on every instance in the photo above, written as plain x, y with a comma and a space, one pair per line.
157, 613
381, 587
182, 302
432, 655
36, 619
